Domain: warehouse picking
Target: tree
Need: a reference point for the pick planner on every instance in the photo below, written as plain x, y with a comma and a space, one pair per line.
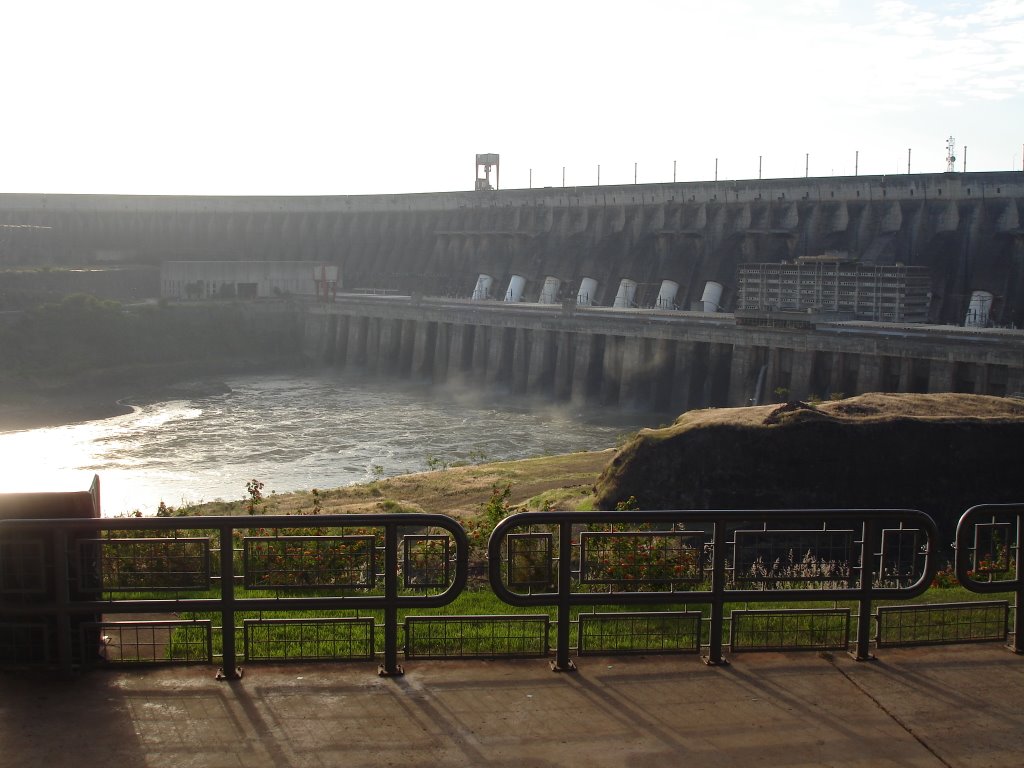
255, 490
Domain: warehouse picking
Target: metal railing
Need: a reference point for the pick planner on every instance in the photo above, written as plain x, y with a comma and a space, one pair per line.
58, 577
710, 558
68, 580
990, 556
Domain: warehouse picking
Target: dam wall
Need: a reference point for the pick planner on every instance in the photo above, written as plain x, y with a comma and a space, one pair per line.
645, 359
964, 227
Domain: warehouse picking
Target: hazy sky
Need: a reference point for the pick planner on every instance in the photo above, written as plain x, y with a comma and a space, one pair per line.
302, 97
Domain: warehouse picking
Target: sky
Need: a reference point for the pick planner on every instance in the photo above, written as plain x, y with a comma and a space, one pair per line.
301, 97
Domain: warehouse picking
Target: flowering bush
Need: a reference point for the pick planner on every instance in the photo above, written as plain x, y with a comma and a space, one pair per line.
641, 559
945, 578
309, 557
479, 528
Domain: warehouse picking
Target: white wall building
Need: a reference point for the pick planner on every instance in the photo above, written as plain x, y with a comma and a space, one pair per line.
245, 279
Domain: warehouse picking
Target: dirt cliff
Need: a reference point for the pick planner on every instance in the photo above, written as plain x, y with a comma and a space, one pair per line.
937, 453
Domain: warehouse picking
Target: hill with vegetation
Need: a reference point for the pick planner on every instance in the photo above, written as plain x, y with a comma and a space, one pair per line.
937, 453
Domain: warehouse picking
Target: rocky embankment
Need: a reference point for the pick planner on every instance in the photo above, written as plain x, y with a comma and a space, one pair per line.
937, 453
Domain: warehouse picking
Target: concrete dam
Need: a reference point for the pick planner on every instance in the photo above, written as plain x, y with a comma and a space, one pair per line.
549, 244
964, 227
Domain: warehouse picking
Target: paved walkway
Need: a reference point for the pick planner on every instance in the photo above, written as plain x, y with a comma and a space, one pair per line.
948, 706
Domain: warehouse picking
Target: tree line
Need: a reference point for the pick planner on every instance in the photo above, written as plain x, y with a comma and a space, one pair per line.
82, 333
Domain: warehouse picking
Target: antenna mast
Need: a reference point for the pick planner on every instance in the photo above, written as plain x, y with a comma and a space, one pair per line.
950, 154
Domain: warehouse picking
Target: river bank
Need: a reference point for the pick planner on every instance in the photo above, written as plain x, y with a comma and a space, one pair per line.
34, 411
562, 481
52, 400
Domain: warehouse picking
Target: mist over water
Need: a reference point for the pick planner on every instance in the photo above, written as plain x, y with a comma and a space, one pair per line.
293, 433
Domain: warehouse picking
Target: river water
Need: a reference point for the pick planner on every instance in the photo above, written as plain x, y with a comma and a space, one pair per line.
292, 432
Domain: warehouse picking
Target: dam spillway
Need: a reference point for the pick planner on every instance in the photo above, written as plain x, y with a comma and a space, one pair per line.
964, 227
649, 359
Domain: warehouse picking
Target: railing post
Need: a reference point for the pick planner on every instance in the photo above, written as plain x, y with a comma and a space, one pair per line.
714, 657
1017, 646
867, 565
390, 667
62, 594
562, 662
229, 669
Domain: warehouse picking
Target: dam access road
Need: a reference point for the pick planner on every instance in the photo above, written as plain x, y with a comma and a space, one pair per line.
940, 706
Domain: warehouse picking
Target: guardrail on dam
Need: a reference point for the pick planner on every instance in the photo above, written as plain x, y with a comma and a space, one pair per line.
664, 360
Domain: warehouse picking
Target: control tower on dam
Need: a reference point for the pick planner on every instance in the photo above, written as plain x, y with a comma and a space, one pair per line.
965, 229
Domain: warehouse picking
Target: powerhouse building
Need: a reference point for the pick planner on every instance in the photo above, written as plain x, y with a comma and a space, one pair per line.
834, 284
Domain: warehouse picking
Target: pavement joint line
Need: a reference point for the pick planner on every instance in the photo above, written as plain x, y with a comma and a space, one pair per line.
893, 716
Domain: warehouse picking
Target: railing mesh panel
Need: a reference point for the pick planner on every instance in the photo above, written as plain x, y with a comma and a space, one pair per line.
132, 565
441, 637
530, 563
941, 623
899, 560
641, 557
22, 566
148, 642
994, 544
24, 643
790, 629
427, 561
309, 562
337, 639
640, 632
777, 558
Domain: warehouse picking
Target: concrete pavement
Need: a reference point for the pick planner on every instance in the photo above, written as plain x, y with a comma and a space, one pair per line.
944, 706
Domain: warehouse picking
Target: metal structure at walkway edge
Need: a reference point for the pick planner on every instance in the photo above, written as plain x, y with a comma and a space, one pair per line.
564, 598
